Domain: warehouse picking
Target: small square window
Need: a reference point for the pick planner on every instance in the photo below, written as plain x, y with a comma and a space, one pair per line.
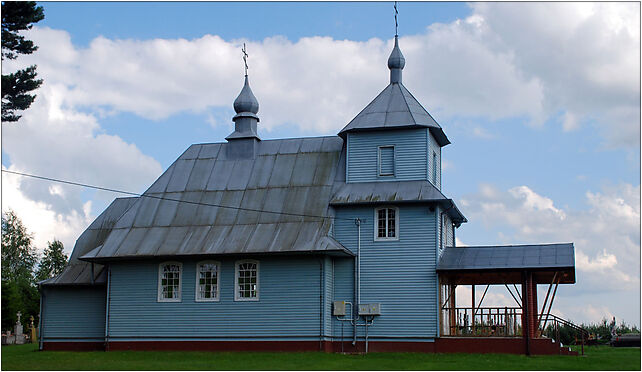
386, 160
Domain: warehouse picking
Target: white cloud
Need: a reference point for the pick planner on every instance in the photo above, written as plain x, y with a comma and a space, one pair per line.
41, 219
55, 140
606, 236
531, 60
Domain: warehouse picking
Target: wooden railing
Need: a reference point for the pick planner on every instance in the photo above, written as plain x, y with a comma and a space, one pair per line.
485, 322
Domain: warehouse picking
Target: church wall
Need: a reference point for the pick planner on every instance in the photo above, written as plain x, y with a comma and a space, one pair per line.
288, 308
410, 155
433, 147
73, 314
398, 274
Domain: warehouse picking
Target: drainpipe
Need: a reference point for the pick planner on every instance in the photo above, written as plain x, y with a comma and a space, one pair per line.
107, 308
357, 282
321, 309
42, 295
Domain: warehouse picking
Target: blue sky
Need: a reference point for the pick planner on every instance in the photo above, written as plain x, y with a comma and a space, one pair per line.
541, 102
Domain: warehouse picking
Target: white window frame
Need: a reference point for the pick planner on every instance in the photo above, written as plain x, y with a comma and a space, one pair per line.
376, 224
197, 294
237, 296
394, 156
160, 297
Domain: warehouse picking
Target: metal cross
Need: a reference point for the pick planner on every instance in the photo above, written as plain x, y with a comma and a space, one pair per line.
396, 25
245, 55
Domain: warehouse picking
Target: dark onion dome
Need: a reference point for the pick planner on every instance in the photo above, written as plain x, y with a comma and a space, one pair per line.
396, 59
246, 102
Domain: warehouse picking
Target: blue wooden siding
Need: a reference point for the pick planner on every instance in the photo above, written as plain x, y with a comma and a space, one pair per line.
433, 147
343, 290
73, 314
289, 303
398, 274
410, 155
327, 295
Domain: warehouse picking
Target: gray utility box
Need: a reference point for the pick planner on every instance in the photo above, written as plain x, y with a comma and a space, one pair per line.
370, 309
339, 308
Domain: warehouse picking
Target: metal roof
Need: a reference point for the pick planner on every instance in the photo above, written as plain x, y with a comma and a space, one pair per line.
78, 272
508, 257
400, 191
291, 177
395, 108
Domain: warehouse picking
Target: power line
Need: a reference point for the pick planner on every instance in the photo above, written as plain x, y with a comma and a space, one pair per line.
165, 198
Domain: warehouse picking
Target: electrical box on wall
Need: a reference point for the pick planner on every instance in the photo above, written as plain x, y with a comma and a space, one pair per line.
370, 309
339, 308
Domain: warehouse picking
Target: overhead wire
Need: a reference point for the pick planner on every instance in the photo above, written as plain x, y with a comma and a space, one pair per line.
166, 198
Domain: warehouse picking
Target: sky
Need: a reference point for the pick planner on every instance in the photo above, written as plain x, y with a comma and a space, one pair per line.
541, 102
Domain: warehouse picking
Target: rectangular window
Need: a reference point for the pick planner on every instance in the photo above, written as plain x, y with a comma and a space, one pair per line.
386, 160
169, 282
387, 221
207, 281
247, 281
434, 168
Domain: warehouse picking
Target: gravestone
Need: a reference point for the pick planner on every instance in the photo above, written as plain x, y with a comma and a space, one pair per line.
20, 337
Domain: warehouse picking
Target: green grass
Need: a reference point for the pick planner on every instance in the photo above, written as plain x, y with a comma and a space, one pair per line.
27, 357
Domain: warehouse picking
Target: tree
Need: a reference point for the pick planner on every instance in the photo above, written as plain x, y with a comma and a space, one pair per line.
18, 16
19, 257
53, 261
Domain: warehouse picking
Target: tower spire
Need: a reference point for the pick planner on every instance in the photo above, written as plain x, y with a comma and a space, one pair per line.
396, 61
246, 107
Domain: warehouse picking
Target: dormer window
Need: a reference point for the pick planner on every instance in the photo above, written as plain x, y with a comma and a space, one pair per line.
387, 223
386, 161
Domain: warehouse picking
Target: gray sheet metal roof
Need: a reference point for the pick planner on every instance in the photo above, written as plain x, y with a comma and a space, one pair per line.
78, 272
292, 177
394, 192
394, 108
508, 257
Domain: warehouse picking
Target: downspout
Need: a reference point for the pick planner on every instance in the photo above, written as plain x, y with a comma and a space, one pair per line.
40, 319
107, 308
357, 283
321, 309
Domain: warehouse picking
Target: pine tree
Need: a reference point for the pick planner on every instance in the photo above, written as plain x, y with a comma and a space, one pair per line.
53, 261
18, 16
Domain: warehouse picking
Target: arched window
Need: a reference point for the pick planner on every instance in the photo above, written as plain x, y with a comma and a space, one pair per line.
169, 281
387, 223
207, 280
246, 281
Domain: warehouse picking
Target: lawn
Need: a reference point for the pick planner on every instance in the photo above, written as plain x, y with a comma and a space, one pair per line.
27, 357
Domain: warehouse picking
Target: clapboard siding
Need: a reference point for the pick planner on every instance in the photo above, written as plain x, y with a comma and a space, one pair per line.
398, 274
410, 155
289, 302
433, 147
73, 314
327, 295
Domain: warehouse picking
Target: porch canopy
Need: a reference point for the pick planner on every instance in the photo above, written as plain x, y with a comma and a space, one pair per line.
506, 264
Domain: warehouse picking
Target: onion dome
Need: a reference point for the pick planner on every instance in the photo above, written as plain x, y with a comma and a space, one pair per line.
396, 63
246, 102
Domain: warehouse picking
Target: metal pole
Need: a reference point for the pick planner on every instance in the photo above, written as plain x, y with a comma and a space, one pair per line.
539, 321
551, 304
357, 284
472, 312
